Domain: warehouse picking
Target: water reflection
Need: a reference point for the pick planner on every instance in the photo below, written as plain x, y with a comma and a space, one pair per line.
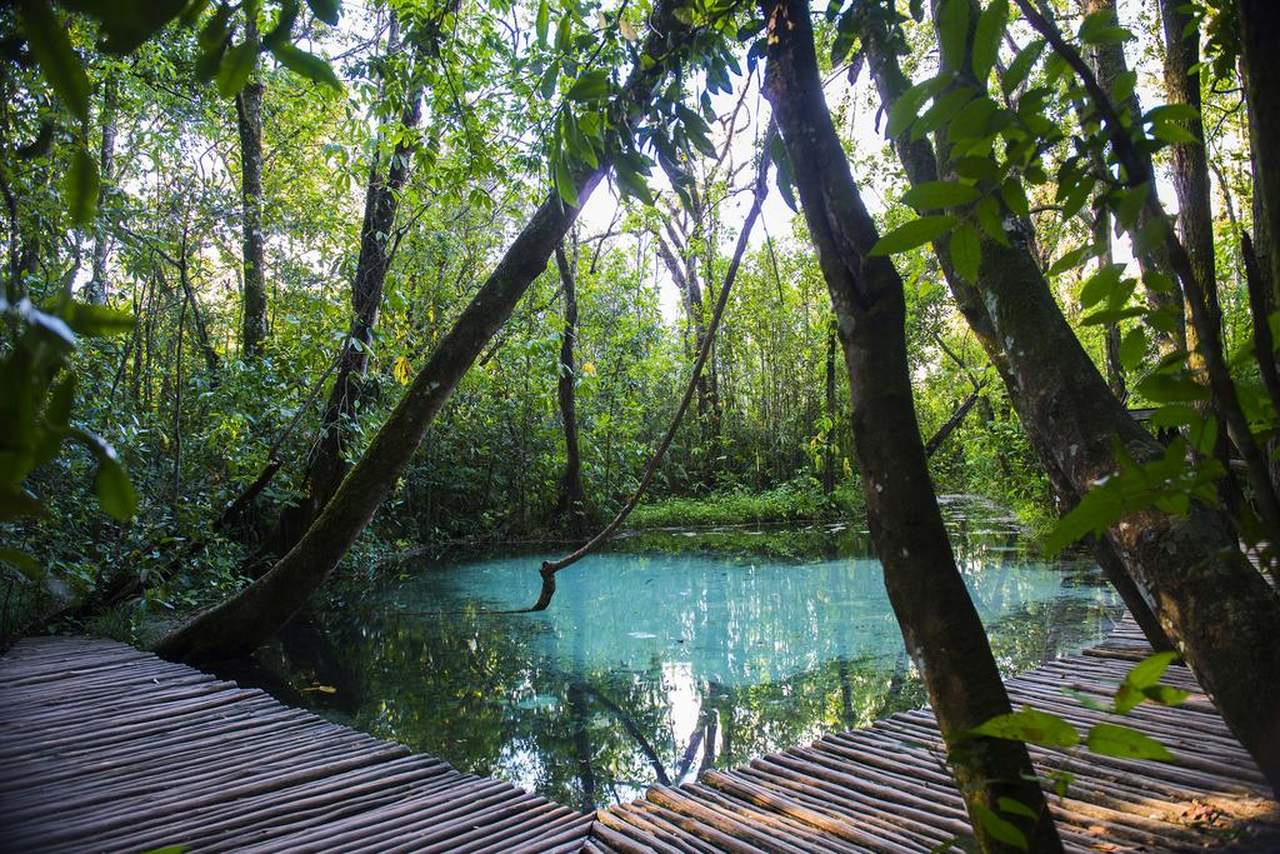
667, 656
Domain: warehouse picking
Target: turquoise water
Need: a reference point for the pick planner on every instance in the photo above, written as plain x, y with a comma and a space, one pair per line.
675, 653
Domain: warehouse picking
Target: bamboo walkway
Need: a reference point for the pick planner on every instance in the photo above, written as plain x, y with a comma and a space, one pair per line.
105, 748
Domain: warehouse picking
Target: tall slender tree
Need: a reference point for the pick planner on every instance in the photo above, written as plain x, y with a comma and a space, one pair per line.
253, 324
96, 288
939, 623
571, 503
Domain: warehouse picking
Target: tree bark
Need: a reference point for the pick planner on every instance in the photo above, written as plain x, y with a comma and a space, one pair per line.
939, 623
244, 621
571, 505
1109, 60
253, 329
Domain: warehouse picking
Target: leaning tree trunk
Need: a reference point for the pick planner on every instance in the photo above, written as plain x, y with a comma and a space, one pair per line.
1190, 174
327, 464
921, 166
244, 621
571, 504
1108, 57
939, 623
253, 330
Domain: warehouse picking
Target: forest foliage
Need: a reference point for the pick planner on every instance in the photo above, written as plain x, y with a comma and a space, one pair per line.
277, 269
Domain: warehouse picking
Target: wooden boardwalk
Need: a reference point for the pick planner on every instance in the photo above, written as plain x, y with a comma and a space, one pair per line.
105, 748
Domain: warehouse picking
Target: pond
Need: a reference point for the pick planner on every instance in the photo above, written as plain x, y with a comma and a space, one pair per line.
671, 653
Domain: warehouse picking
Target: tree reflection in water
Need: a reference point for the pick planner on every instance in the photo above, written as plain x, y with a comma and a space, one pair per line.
667, 656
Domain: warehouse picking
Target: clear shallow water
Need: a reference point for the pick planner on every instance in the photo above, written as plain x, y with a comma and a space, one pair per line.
668, 655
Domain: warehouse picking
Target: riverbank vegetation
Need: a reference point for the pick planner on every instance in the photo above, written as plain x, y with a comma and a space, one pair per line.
290, 287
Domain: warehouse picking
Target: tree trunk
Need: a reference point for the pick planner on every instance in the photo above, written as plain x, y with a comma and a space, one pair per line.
327, 464
921, 166
1190, 175
571, 505
249, 123
1109, 60
96, 288
939, 623
1259, 23
244, 621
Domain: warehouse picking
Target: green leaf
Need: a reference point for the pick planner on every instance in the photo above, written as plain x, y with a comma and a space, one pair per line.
1102, 28
785, 174
942, 111
977, 168
49, 43
1170, 388
23, 562
81, 187
326, 10
1172, 113
1102, 285
966, 252
1147, 672
986, 38
998, 828
96, 321
912, 234
129, 23
592, 86
542, 22
115, 492
931, 195
1073, 258
1031, 725
1125, 742
565, 185
308, 65
953, 31
974, 122
237, 65
1021, 66
1122, 88
1127, 698
1165, 695
904, 110
1133, 348
1173, 134
547, 86
846, 35
633, 184
1112, 316
988, 213
1013, 806
564, 31
1015, 197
